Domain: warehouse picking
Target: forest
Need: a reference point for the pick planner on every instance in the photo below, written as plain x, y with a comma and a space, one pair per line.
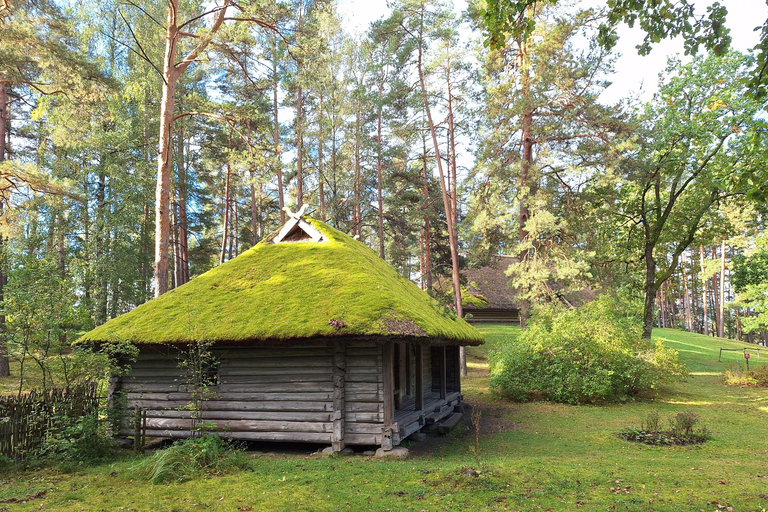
144, 143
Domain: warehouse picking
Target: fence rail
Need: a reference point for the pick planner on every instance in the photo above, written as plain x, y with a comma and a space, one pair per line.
27, 421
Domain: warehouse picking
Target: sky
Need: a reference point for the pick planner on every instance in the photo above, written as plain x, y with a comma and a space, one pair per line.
635, 75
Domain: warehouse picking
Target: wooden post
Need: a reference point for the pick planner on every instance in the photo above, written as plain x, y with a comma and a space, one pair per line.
457, 369
419, 378
443, 375
389, 390
339, 372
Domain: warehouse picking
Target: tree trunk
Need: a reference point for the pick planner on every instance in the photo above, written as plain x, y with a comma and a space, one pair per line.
356, 209
687, 302
427, 271
320, 174
650, 292
181, 260
715, 296
254, 210
225, 220
446, 201
163, 188
299, 149
379, 173
276, 134
5, 370
705, 318
721, 311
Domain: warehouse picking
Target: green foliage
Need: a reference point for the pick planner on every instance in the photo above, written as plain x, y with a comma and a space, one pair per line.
590, 355
684, 429
78, 441
206, 455
750, 280
737, 375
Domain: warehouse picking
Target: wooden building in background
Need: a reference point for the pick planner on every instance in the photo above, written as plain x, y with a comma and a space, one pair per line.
314, 339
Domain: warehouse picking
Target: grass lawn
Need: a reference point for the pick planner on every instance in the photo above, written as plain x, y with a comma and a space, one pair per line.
535, 456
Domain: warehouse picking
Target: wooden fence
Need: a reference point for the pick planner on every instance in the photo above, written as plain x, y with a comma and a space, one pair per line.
26, 422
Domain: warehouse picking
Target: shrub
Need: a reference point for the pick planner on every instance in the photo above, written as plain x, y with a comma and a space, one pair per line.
78, 441
590, 355
207, 454
683, 430
736, 375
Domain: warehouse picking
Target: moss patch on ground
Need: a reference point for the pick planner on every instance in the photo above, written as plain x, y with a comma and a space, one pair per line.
292, 290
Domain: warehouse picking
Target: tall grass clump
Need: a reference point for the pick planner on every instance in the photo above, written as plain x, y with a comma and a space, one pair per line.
590, 355
205, 455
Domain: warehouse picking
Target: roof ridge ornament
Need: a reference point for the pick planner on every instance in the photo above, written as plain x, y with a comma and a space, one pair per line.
296, 229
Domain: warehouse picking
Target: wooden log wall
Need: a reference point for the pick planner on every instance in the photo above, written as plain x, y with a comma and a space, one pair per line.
317, 393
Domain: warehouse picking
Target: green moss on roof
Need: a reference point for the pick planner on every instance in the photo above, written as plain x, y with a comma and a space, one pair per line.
292, 290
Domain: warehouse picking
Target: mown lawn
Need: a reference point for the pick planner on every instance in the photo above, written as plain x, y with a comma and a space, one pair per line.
536, 456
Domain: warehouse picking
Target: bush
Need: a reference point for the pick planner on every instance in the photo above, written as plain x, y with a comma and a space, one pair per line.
590, 355
683, 430
78, 441
736, 375
207, 454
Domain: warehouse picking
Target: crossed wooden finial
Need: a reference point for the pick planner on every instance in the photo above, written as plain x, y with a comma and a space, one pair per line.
296, 215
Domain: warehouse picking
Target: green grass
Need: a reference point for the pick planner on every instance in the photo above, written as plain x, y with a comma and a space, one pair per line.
533, 456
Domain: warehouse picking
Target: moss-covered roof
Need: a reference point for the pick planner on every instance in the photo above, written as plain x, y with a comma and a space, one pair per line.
290, 291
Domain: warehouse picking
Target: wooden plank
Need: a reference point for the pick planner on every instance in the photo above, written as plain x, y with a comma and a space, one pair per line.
388, 368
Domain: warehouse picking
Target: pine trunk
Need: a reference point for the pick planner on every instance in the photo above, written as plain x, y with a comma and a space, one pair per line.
163, 188
446, 201
721, 310
5, 370
379, 174
276, 134
705, 315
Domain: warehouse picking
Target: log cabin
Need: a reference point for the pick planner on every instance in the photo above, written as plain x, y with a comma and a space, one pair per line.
312, 338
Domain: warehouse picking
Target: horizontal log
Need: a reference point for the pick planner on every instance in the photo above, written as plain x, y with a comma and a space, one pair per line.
302, 396
217, 405
277, 362
164, 372
363, 351
241, 373
363, 377
225, 372
364, 417
273, 387
370, 361
359, 396
143, 387
364, 407
299, 437
246, 415
238, 381
241, 425
364, 428
362, 439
